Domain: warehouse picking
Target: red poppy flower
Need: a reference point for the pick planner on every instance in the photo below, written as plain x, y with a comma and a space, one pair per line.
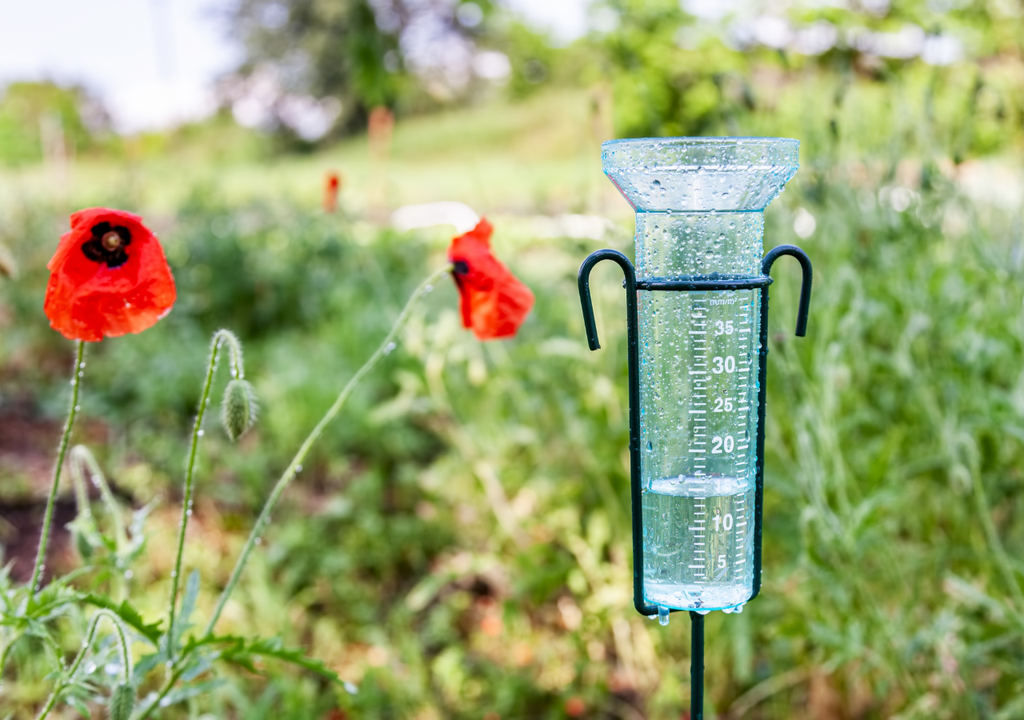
108, 277
494, 302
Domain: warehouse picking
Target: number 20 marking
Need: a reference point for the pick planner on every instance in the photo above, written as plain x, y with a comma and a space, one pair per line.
720, 445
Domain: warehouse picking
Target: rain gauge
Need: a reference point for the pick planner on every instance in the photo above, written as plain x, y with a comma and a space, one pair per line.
697, 325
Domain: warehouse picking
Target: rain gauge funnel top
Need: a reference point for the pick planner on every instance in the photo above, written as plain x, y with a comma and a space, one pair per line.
700, 174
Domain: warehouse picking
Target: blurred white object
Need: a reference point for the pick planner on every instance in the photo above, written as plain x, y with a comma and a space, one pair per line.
409, 217
583, 227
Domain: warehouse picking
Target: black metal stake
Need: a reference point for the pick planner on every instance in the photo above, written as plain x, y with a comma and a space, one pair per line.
696, 666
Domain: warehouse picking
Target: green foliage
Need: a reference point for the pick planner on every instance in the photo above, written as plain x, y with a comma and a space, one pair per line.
28, 110
673, 77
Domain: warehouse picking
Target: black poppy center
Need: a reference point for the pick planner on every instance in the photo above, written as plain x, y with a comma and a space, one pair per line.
460, 267
108, 244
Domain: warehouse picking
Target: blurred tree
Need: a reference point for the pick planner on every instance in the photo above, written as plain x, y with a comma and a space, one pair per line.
661, 86
341, 58
950, 70
36, 114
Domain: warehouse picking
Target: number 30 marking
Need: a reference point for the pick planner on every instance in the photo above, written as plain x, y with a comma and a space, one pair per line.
725, 364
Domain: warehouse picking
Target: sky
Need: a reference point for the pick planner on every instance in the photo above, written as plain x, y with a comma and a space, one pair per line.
153, 62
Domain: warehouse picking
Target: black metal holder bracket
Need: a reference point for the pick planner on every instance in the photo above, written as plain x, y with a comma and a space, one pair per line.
701, 284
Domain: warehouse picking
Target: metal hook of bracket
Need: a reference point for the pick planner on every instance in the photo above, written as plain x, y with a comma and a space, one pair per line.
805, 286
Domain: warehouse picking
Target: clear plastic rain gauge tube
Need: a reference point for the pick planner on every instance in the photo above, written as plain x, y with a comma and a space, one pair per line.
698, 409
697, 305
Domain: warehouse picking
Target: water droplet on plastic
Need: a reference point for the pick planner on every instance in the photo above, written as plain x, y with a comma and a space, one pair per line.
662, 615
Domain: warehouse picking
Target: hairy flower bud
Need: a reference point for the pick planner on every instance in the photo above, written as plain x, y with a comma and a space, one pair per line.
238, 408
122, 702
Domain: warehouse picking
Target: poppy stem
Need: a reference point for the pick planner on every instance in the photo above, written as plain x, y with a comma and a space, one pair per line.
386, 346
219, 338
126, 658
44, 536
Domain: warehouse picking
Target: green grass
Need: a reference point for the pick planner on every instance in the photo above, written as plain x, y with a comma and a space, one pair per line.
536, 156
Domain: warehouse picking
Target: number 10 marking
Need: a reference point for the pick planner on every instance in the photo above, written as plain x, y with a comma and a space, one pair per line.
725, 521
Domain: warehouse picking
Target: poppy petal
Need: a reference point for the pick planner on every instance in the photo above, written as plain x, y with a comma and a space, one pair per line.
108, 277
493, 301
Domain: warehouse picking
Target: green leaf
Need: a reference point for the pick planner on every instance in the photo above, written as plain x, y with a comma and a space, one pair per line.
127, 613
78, 704
188, 606
190, 691
247, 653
146, 664
199, 664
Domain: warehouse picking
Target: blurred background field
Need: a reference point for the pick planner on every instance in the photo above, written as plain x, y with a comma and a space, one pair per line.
458, 545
